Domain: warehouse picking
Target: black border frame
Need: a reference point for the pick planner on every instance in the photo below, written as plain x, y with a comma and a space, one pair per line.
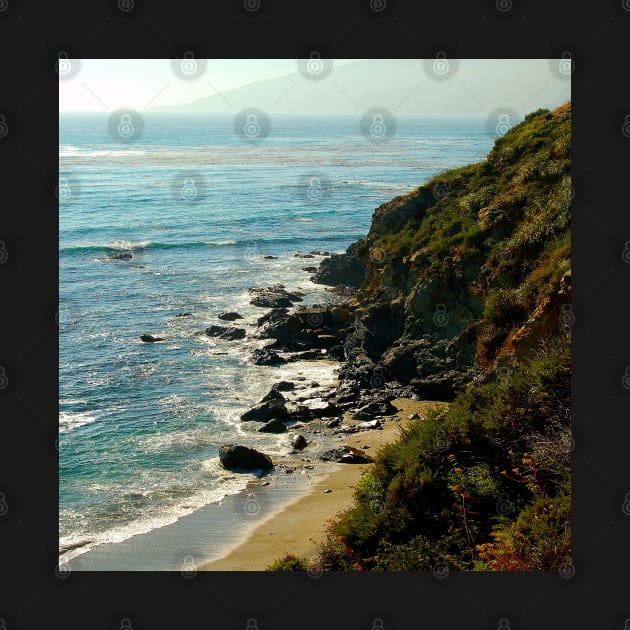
593, 594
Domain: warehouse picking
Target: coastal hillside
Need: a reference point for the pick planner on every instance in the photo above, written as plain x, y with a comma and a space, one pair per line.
463, 295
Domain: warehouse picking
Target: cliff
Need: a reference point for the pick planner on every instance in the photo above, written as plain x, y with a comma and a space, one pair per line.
460, 277
464, 290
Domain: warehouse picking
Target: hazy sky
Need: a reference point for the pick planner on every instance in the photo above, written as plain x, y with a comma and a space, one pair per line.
477, 85
143, 83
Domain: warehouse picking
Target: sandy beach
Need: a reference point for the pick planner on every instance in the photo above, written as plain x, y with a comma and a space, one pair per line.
298, 527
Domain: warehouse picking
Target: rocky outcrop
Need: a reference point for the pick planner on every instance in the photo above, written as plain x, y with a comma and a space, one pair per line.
236, 457
341, 269
273, 426
230, 316
225, 332
265, 356
273, 297
150, 338
266, 410
464, 274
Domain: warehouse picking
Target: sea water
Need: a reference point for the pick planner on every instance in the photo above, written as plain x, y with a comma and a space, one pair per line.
198, 206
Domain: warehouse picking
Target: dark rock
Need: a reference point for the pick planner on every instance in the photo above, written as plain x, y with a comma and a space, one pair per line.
273, 297
307, 355
370, 424
304, 256
230, 316
275, 312
273, 426
345, 269
264, 356
321, 408
235, 457
225, 332
121, 256
283, 386
314, 317
334, 423
374, 408
346, 394
150, 338
268, 257
265, 411
273, 394
279, 325
345, 455
309, 269
440, 386
298, 442
336, 353
183, 315
314, 384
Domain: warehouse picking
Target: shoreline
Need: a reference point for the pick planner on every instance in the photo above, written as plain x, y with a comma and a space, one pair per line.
296, 527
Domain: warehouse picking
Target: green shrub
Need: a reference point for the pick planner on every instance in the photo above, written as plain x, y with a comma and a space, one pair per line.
289, 562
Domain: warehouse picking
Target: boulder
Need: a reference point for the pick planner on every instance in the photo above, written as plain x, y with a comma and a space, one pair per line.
265, 411
150, 338
321, 408
370, 424
273, 297
273, 394
341, 315
121, 256
298, 442
273, 426
183, 315
230, 316
225, 332
374, 408
264, 356
235, 457
283, 386
345, 455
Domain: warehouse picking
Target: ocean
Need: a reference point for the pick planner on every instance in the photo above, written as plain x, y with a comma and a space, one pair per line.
179, 221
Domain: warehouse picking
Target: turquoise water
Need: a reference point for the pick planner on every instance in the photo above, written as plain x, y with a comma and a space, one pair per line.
198, 209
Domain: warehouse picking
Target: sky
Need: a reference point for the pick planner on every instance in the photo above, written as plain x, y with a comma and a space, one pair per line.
142, 83
403, 86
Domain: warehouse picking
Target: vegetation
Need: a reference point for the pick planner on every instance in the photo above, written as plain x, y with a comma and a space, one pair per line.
486, 484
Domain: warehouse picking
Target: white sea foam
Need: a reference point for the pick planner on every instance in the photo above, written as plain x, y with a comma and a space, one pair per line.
69, 421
